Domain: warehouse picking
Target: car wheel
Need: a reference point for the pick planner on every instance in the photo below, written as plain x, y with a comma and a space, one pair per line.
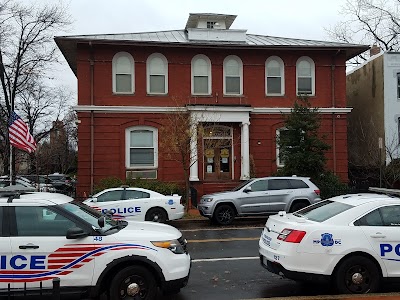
297, 206
357, 275
156, 215
134, 282
224, 214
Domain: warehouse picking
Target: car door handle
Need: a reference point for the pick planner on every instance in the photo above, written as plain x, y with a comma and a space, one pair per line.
29, 246
378, 235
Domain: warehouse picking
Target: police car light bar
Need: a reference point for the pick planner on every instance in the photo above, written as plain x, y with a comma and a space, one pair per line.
384, 191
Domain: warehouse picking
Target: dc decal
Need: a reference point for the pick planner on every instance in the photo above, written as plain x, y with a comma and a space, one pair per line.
327, 240
170, 202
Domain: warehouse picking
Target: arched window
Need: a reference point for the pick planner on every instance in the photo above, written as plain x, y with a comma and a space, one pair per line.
141, 147
201, 75
305, 76
157, 74
274, 76
233, 75
123, 69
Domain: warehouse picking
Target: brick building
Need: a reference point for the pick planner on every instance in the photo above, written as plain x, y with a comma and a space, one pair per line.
129, 83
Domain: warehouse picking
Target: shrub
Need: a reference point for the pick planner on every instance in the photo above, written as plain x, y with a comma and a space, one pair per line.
330, 185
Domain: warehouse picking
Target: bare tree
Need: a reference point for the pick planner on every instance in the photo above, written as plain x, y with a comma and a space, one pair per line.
369, 22
27, 53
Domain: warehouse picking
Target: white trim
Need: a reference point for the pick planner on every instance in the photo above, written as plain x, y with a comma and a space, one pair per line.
312, 65
114, 69
127, 148
165, 74
239, 61
282, 75
279, 164
163, 109
204, 57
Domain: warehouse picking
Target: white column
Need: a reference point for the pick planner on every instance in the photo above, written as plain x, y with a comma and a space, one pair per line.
194, 162
245, 153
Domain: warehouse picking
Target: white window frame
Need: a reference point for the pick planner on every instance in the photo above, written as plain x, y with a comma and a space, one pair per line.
239, 61
282, 75
165, 74
114, 72
398, 85
312, 64
128, 143
195, 58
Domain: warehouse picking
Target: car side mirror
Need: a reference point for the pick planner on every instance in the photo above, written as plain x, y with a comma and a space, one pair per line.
76, 233
94, 200
247, 189
101, 221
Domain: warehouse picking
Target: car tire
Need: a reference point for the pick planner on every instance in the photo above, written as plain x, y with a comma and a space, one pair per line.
146, 283
357, 275
224, 214
297, 206
156, 214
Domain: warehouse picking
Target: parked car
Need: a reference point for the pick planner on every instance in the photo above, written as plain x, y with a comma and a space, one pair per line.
20, 185
42, 182
351, 240
51, 236
62, 183
133, 203
259, 196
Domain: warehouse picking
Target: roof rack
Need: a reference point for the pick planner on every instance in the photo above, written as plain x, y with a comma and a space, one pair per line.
12, 194
393, 192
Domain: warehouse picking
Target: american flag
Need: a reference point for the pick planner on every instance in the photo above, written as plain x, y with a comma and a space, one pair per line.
18, 133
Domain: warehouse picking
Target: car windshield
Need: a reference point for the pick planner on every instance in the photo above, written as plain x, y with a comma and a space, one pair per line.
88, 214
323, 210
240, 186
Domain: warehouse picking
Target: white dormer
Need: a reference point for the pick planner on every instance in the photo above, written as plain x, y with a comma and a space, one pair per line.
213, 27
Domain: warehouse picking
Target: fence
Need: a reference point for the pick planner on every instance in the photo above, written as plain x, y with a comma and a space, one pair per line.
28, 293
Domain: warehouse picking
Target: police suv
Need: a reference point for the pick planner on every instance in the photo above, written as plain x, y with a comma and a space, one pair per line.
351, 240
46, 235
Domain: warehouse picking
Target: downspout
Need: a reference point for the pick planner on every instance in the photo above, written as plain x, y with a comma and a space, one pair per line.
333, 114
91, 60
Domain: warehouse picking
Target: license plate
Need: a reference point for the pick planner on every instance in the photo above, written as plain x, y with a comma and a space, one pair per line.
266, 240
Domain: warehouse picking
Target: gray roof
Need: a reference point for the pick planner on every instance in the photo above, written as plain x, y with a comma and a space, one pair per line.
176, 38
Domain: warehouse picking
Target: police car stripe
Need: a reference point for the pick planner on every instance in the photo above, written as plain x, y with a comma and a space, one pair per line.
50, 273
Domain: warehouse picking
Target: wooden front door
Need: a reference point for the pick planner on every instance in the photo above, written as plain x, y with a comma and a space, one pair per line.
218, 163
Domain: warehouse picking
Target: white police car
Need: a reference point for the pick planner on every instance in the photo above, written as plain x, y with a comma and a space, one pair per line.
139, 204
46, 235
351, 240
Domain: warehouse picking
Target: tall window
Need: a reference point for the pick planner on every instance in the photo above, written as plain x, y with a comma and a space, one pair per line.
274, 76
305, 75
142, 147
233, 76
157, 74
398, 85
123, 68
201, 75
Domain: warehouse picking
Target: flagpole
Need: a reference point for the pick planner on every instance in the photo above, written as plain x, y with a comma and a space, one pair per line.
11, 164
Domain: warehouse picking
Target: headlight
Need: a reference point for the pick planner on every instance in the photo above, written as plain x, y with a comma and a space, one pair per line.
207, 199
173, 245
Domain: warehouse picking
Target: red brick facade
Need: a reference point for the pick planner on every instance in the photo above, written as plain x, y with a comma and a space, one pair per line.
94, 72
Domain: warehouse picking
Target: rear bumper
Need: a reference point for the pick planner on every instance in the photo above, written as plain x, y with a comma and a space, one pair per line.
278, 269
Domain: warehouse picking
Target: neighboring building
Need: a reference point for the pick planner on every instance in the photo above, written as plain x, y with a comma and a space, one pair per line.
128, 83
373, 91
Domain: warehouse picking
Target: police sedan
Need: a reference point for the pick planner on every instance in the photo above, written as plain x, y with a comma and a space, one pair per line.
131, 203
351, 240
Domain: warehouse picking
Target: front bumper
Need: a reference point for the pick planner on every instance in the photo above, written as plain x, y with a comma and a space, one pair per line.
205, 210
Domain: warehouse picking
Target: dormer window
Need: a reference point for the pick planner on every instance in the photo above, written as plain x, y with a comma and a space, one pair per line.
211, 24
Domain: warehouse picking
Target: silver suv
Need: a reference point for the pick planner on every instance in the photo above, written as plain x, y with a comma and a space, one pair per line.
259, 196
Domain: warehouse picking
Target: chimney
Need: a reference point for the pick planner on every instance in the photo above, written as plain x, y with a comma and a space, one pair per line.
375, 49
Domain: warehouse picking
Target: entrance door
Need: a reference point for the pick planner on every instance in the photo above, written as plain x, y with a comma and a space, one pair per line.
217, 163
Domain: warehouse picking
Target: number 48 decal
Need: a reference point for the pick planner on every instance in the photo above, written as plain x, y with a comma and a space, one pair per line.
98, 238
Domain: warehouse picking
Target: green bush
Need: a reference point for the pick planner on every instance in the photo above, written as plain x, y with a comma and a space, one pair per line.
165, 188
330, 185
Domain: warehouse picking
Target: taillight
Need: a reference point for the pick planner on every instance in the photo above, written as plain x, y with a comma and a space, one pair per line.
318, 192
291, 235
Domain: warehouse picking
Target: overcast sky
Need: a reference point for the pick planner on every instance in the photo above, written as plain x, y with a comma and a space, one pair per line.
286, 18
